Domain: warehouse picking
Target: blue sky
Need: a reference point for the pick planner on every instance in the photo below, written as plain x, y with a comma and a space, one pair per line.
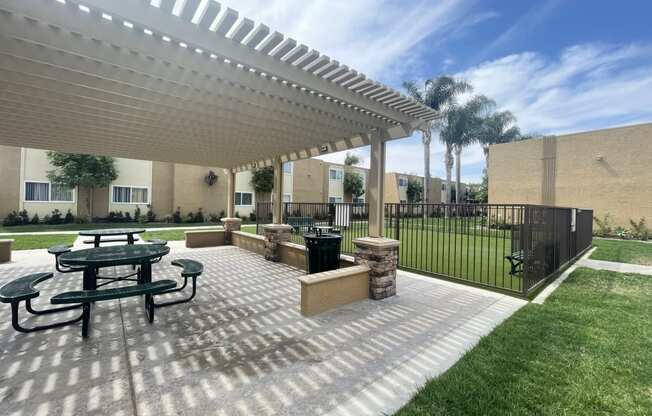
559, 65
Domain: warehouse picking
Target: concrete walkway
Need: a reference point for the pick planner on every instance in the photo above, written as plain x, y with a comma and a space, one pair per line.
241, 347
615, 267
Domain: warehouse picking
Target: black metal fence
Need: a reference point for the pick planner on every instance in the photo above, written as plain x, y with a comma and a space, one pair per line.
515, 248
509, 247
351, 219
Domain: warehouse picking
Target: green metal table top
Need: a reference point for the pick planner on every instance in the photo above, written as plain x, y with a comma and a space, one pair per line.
112, 231
114, 255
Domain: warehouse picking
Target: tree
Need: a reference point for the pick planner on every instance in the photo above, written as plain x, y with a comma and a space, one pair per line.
353, 184
461, 129
414, 190
440, 94
85, 171
262, 180
482, 196
495, 129
351, 159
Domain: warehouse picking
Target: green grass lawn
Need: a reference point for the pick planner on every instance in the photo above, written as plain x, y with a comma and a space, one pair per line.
169, 235
102, 225
31, 242
457, 248
623, 251
586, 351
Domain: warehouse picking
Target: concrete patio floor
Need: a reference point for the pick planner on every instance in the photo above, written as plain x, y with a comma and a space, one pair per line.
241, 347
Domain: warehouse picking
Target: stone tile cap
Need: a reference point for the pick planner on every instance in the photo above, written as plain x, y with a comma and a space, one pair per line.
227, 219
277, 227
311, 279
217, 230
7, 241
376, 242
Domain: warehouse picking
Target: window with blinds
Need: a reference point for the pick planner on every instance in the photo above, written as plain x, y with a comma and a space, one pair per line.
60, 193
243, 198
130, 195
37, 191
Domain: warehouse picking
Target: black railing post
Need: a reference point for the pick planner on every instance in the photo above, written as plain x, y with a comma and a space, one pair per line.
397, 219
331, 214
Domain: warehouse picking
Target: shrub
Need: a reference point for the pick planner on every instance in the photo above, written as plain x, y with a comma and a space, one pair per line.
168, 219
176, 216
252, 216
214, 218
81, 220
199, 216
604, 226
69, 219
24, 217
35, 219
47, 219
55, 217
137, 214
11, 219
640, 230
222, 214
237, 214
190, 217
127, 217
622, 232
142, 219
151, 217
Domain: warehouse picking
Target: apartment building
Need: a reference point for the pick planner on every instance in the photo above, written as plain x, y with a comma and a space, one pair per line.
606, 170
164, 187
140, 184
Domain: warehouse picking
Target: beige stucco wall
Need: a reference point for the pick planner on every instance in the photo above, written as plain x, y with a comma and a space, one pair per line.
607, 170
132, 172
308, 181
35, 166
10, 179
192, 193
163, 188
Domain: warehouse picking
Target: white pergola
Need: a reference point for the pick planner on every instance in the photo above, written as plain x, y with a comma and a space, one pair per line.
186, 81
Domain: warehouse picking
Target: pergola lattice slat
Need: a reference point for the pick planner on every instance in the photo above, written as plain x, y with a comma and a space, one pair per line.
199, 83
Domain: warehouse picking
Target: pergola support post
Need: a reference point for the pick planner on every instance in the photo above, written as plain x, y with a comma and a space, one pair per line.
277, 232
230, 223
378, 253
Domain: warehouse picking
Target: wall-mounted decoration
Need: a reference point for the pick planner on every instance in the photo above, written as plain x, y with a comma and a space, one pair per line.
211, 178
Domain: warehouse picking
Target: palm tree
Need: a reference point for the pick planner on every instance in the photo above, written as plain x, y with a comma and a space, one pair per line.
462, 127
440, 94
497, 128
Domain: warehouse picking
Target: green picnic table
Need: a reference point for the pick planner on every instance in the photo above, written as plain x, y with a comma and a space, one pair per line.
100, 236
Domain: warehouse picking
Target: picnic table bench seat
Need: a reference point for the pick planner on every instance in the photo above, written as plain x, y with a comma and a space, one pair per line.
23, 289
190, 269
57, 251
111, 240
87, 297
158, 241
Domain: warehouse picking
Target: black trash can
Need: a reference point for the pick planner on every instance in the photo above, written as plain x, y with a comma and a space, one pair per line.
323, 251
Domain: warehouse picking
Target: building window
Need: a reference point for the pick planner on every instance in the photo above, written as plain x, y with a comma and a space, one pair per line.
287, 167
130, 195
60, 193
244, 198
402, 182
287, 197
46, 192
37, 191
335, 174
334, 199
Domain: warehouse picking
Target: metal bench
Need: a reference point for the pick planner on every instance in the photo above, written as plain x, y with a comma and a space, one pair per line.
87, 297
23, 289
158, 242
299, 223
57, 251
516, 261
191, 270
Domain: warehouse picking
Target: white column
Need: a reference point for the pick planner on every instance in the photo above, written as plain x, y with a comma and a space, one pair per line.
375, 195
230, 194
277, 193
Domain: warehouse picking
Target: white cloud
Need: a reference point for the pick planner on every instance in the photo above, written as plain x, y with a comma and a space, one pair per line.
588, 86
367, 35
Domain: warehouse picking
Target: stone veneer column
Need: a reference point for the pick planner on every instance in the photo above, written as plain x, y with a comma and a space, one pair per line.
230, 224
381, 256
274, 234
